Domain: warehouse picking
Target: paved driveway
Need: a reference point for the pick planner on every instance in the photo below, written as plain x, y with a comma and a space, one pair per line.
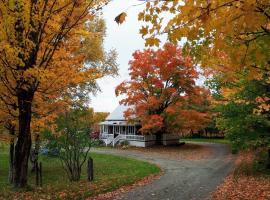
184, 179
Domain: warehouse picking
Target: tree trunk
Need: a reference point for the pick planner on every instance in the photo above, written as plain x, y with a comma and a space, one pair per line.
159, 137
23, 145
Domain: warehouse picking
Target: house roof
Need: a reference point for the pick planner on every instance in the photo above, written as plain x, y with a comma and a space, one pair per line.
117, 114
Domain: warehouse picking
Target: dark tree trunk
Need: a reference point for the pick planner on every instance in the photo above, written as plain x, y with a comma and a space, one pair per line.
23, 145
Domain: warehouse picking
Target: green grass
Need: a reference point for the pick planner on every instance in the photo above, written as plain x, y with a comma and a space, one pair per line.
210, 140
110, 173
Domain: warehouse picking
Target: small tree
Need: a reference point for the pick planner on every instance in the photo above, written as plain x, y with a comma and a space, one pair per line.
72, 141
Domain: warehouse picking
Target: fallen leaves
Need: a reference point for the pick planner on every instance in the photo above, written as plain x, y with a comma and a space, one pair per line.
243, 186
117, 193
176, 152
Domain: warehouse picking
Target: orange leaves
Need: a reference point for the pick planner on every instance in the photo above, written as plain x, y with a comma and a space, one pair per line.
237, 29
152, 41
193, 120
152, 124
144, 31
244, 184
120, 18
162, 84
58, 50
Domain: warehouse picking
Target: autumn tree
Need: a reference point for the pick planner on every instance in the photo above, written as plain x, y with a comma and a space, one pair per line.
42, 56
230, 37
162, 93
230, 40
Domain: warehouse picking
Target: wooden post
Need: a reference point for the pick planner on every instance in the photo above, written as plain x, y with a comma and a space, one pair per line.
90, 169
37, 173
40, 174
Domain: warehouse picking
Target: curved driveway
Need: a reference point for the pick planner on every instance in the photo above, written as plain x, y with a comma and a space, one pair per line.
184, 179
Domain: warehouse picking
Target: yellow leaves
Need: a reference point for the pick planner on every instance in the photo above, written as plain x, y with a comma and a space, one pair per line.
148, 5
120, 18
152, 42
7, 138
141, 16
50, 57
263, 106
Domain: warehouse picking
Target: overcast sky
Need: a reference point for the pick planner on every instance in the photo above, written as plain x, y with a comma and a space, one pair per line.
125, 39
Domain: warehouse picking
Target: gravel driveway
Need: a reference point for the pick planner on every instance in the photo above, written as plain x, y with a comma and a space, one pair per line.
182, 179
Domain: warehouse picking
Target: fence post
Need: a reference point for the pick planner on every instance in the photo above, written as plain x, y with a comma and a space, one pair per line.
37, 173
90, 169
40, 174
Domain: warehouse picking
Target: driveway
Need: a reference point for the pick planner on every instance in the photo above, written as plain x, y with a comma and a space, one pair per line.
182, 179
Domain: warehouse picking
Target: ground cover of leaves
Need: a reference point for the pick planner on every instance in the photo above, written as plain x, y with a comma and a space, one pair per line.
176, 152
243, 183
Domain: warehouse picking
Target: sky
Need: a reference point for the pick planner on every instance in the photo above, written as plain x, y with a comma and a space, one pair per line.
125, 38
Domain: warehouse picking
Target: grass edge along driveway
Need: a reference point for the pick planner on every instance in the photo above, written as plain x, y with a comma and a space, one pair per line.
110, 172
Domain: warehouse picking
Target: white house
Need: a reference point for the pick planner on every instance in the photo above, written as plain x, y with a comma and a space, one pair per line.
116, 129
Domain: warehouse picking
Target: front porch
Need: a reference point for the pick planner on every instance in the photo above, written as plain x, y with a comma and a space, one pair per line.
116, 129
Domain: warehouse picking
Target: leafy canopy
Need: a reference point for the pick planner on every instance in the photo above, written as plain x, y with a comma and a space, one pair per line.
161, 91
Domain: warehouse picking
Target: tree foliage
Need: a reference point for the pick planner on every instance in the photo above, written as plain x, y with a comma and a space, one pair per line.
239, 118
72, 140
230, 40
49, 49
162, 93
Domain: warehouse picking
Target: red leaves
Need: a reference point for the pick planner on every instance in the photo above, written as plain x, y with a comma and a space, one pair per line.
160, 79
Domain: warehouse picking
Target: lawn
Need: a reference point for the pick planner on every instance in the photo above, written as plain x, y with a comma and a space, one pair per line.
210, 140
110, 173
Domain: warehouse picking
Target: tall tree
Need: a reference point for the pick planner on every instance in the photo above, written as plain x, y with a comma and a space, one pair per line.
230, 39
41, 56
162, 93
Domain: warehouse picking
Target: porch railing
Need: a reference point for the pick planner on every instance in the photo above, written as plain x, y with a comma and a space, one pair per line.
116, 139
109, 138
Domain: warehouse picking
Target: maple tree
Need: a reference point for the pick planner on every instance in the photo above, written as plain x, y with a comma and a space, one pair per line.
227, 36
48, 49
162, 93
230, 40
